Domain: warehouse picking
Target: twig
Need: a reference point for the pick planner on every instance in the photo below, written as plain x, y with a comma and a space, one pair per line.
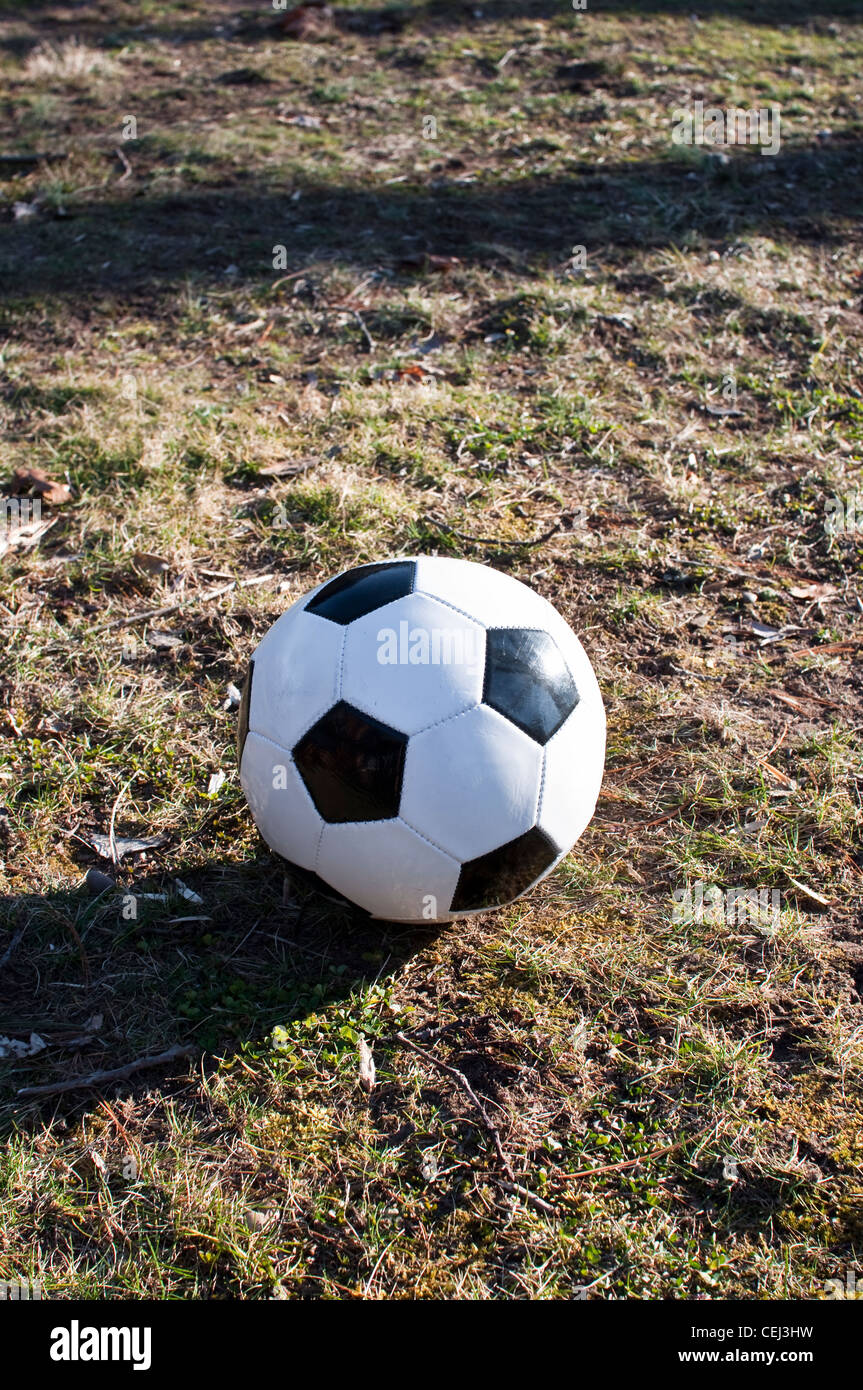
144, 617
830, 649
85, 1040
488, 540
633, 1162
462, 1080
648, 824
488, 1122
16, 160
366, 334
294, 275
680, 671
528, 1196
112, 844
599, 1279
98, 1078
430, 1032
12, 947
127, 168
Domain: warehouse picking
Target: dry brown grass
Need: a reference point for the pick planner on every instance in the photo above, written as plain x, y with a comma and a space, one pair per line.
154, 358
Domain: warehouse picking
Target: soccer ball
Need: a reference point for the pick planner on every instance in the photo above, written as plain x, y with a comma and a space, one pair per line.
427, 736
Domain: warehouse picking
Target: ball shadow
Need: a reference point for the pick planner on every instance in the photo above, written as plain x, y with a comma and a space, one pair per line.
139, 969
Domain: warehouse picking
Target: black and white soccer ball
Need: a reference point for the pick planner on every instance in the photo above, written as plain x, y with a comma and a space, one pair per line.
425, 735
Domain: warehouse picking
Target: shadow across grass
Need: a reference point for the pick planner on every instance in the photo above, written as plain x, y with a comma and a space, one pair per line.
805, 193
108, 980
239, 18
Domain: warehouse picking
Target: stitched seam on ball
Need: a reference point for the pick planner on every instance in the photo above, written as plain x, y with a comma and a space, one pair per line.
342, 664
538, 812
317, 859
281, 747
462, 612
433, 843
447, 718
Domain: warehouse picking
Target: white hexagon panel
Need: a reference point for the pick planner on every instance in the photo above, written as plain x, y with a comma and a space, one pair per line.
293, 676
389, 870
280, 803
472, 783
413, 662
574, 763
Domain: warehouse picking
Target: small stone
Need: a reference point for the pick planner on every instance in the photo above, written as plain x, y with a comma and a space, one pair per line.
429, 1167
97, 882
256, 1220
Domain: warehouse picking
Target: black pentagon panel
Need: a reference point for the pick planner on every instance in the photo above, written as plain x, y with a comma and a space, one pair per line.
503, 874
528, 681
362, 590
243, 716
352, 766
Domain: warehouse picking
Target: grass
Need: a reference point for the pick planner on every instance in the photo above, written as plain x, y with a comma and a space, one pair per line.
678, 1100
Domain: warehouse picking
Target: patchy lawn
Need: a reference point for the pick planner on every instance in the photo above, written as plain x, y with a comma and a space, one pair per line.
442, 271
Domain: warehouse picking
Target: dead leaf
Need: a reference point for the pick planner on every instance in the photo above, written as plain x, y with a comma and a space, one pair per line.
805, 591
24, 535
287, 468
442, 264
367, 1066
163, 641
150, 564
809, 892
102, 845
15, 1047
53, 724
188, 893
37, 480
312, 20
